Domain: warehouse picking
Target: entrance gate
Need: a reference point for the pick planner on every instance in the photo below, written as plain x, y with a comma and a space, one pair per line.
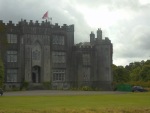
36, 74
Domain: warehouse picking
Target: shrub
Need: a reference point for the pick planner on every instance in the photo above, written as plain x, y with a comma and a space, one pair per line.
24, 85
47, 85
1, 73
86, 88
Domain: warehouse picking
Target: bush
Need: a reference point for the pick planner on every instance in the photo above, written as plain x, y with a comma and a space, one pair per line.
24, 85
1, 73
47, 85
86, 88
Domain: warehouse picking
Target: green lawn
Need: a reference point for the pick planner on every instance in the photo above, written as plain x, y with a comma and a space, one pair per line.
108, 103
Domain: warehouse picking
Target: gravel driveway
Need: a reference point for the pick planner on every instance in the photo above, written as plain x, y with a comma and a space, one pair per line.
58, 92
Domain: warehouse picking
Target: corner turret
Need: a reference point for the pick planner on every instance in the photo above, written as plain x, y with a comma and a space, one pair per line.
99, 34
92, 38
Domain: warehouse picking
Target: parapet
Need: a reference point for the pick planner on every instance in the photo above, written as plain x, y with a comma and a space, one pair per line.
68, 28
107, 40
46, 24
84, 45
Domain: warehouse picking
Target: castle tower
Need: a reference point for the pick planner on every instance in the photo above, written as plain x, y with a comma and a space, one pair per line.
92, 38
99, 34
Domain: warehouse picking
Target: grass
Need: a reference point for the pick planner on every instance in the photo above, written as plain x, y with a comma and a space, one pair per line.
110, 103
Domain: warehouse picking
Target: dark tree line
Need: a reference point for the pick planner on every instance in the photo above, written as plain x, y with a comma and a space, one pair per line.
134, 72
3, 46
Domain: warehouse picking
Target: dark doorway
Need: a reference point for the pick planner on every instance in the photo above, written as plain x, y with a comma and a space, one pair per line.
36, 74
33, 77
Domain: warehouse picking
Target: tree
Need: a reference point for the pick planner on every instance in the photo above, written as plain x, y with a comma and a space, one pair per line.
120, 74
134, 65
147, 62
145, 73
3, 40
1, 73
3, 47
135, 74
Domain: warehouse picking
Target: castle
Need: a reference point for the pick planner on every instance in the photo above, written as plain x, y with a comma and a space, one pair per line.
40, 53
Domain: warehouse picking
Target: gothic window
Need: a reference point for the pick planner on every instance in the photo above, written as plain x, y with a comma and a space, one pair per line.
58, 75
59, 57
12, 38
36, 55
86, 59
58, 39
12, 75
11, 56
61, 40
86, 73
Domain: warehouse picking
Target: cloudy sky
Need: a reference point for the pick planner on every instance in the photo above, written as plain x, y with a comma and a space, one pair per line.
125, 22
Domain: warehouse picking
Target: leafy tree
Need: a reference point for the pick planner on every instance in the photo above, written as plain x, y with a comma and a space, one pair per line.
147, 62
134, 65
135, 74
1, 73
120, 74
145, 73
3, 47
3, 39
114, 72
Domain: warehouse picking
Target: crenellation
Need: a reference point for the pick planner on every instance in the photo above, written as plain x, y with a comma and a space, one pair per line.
10, 24
37, 23
70, 28
24, 23
43, 24
107, 40
48, 24
64, 27
31, 23
56, 26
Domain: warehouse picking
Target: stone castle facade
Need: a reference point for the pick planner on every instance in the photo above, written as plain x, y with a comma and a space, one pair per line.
40, 53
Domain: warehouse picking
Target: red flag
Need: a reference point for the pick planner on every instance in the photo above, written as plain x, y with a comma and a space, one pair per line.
45, 16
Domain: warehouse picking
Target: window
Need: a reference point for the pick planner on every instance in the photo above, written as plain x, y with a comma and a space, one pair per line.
36, 55
58, 39
11, 75
58, 75
86, 73
12, 38
11, 56
59, 57
86, 59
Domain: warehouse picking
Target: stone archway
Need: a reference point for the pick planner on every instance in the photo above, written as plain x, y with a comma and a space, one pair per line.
36, 71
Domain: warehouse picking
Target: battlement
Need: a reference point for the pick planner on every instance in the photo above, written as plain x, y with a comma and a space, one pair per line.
84, 45
107, 40
46, 24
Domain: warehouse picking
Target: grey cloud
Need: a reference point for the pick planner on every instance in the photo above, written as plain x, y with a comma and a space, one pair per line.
135, 44
141, 37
